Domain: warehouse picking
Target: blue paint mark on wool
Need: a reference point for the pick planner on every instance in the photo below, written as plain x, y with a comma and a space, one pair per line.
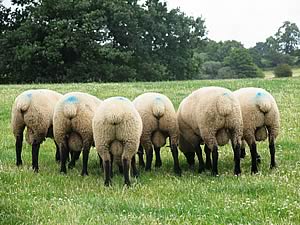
225, 94
260, 94
29, 95
72, 99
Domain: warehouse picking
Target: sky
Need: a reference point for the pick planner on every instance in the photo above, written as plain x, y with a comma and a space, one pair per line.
247, 21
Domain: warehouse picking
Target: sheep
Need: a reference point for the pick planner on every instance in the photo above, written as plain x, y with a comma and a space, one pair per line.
261, 120
33, 109
159, 122
210, 116
72, 126
117, 128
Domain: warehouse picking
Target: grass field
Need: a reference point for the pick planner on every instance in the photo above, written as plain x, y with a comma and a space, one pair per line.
158, 197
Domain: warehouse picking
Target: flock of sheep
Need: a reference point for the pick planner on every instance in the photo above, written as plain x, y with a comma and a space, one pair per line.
120, 129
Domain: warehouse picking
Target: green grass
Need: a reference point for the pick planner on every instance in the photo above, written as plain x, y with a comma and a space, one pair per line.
158, 197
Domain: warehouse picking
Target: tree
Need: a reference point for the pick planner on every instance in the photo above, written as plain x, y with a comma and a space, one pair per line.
240, 61
288, 37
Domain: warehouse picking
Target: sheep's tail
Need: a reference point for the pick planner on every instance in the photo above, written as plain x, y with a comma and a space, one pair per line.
263, 102
24, 102
158, 107
224, 104
70, 110
115, 117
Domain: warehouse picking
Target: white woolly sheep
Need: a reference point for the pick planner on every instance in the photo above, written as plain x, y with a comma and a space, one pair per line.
159, 122
210, 115
72, 127
33, 109
117, 128
260, 120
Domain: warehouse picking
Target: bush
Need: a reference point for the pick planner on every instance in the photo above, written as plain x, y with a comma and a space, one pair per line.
283, 70
210, 69
226, 73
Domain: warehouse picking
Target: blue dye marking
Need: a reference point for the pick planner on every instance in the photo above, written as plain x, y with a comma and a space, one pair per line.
72, 99
29, 95
158, 98
225, 94
260, 94
121, 98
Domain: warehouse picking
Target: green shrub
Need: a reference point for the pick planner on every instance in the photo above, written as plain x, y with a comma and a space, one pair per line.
283, 70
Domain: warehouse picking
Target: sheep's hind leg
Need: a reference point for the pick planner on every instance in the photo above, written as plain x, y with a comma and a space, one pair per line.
237, 159
35, 156
74, 157
19, 142
126, 171
200, 159
253, 152
85, 158
190, 158
140, 154
208, 159
64, 152
174, 150
272, 153
57, 153
158, 162
215, 157
107, 169
135, 172
149, 158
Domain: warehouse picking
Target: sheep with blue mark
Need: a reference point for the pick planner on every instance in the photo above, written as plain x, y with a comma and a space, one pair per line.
159, 123
261, 119
117, 128
33, 109
210, 116
72, 127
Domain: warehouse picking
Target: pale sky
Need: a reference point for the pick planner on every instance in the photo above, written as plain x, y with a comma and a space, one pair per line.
247, 21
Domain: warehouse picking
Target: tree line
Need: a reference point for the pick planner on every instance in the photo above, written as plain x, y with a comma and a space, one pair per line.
117, 40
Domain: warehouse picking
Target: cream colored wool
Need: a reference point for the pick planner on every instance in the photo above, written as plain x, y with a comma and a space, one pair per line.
34, 109
159, 119
117, 122
72, 120
260, 111
207, 115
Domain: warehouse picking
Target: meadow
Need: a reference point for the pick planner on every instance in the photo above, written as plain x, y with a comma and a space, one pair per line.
159, 196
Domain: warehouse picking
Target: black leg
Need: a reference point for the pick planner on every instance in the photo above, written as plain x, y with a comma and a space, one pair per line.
85, 158
215, 156
74, 157
57, 153
135, 172
237, 159
200, 159
208, 159
258, 160
158, 162
111, 165
126, 172
174, 150
149, 157
107, 169
253, 152
141, 158
272, 153
19, 142
190, 158
121, 169
35, 156
100, 162
64, 153
243, 153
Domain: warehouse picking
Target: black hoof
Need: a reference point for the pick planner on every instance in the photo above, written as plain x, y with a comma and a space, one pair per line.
19, 163
177, 171
272, 166
201, 169
254, 170
148, 169
107, 183
84, 173
127, 183
63, 172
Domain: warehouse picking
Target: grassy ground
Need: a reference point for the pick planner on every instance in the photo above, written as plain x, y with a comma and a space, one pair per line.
158, 197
